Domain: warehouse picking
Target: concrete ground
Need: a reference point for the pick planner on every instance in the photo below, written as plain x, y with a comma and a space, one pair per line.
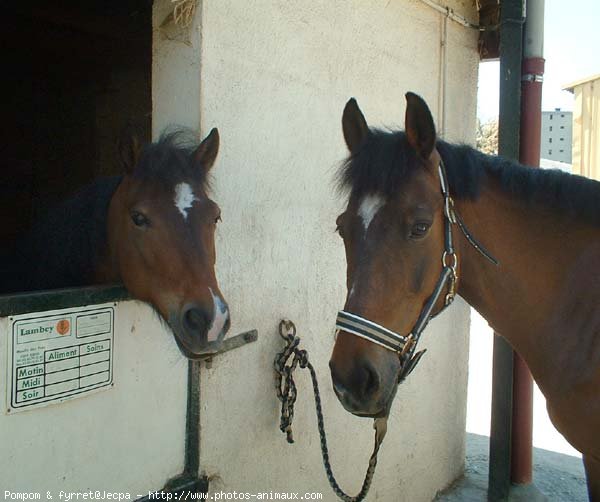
558, 471
559, 477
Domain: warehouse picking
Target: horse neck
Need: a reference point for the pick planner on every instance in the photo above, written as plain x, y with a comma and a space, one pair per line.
541, 254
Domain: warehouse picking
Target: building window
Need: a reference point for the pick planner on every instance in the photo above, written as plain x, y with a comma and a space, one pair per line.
549, 140
549, 152
562, 139
561, 151
550, 116
562, 127
550, 128
562, 115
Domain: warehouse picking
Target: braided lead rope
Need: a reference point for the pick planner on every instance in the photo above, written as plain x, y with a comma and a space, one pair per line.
285, 363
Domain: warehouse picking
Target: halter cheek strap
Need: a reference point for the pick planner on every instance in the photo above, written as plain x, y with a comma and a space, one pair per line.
405, 346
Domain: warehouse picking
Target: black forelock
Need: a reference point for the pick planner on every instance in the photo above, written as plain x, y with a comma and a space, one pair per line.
380, 165
171, 159
385, 161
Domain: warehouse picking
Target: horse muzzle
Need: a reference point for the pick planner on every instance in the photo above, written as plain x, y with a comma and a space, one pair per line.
199, 332
362, 389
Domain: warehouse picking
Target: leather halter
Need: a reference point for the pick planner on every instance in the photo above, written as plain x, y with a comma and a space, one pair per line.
403, 345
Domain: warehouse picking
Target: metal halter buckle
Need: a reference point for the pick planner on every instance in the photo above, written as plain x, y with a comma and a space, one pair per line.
451, 290
453, 266
410, 341
449, 209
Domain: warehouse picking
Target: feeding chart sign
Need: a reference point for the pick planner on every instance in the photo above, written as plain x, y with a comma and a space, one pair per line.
59, 355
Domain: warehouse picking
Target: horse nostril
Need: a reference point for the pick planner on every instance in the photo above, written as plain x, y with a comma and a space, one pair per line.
371, 381
195, 320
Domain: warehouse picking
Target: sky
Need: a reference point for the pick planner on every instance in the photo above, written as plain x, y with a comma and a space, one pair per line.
571, 51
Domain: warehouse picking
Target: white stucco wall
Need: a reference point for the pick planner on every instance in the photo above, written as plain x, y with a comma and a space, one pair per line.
274, 77
127, 439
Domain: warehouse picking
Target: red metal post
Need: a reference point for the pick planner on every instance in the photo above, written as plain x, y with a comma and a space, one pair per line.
529, 154
532, 75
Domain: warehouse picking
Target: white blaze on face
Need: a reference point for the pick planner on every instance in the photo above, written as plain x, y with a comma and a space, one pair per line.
220, 316
369, 207
184, 198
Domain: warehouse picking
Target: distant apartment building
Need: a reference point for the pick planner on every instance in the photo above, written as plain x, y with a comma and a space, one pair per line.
586, 126
557, 135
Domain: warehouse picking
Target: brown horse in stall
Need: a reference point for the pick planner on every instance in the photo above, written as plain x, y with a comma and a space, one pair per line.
151, 229
417, 212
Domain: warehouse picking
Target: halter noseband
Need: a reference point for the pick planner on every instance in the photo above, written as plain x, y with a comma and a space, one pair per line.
405, 346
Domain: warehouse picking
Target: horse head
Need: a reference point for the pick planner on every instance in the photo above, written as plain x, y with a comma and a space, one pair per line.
393, 233
161, 234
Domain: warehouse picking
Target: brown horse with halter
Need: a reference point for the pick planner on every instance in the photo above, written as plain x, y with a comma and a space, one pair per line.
151, 229
427, 220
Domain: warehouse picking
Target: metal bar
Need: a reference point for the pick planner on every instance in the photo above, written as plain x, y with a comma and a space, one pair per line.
501, 423
443, 82
511, 32
38, 301
189, 480
529, 154
521, 458
235, 342
192, 421
447, 11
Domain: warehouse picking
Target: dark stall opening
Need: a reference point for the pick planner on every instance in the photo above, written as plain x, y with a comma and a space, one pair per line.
76, 73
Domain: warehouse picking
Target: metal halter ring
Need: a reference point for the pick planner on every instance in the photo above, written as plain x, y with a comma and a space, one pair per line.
454, 264
286, 329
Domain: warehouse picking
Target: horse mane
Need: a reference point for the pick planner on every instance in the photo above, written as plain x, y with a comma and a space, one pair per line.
171, 159
385, 161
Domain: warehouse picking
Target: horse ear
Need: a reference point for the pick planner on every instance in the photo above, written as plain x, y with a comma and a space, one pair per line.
418, 124
129, 147
354, 125
207, 151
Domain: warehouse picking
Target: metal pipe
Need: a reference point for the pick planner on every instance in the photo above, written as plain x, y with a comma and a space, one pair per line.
529, 154
533, 44
447, 11
511, 33
443, 77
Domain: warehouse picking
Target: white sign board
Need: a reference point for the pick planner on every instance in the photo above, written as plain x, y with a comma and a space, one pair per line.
59, 355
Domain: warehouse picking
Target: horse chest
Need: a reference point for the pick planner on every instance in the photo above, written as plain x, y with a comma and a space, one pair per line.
567, 367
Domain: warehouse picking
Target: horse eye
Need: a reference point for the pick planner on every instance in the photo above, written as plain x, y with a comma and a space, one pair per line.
218, 219
139, 219
419, 229
338, 230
